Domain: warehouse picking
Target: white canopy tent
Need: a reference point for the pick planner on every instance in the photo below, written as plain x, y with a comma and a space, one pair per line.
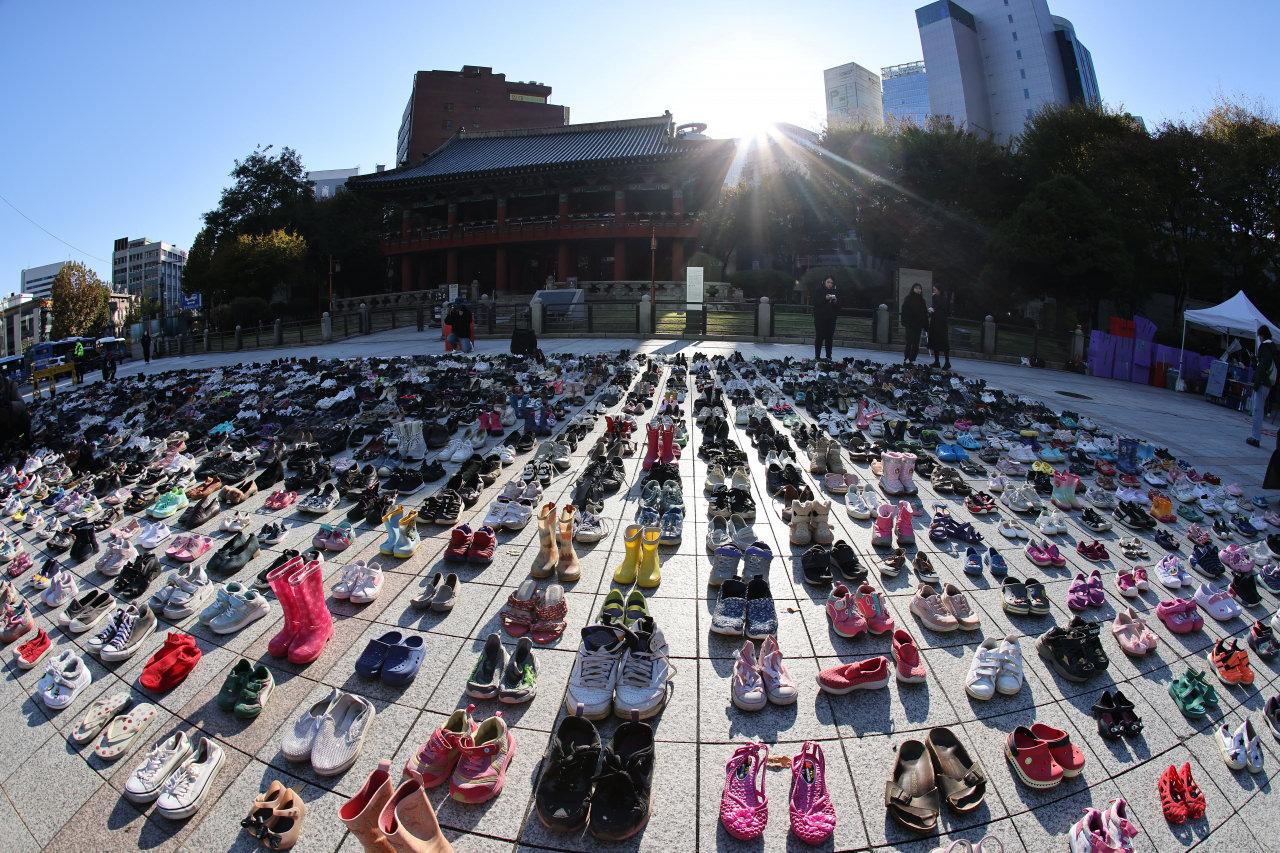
1236, 316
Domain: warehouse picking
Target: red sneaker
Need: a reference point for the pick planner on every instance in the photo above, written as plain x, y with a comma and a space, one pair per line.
1030, 758
32, 651
1068, 756
459, 544
869, 674
482, 545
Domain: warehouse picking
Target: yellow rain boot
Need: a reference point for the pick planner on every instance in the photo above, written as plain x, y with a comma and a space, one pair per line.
568, 569
544, 565
625, 573
649, 575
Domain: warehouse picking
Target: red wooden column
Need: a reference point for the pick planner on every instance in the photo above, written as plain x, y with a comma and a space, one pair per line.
562, 213
564, 260
406, 273
677, 259
451, 266
502, 213
619, 259
501, 279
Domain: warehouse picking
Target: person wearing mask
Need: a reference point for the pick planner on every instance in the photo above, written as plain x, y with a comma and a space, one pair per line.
459, 322
915, 317
939, 328
145, 340
1264, 376
826, 308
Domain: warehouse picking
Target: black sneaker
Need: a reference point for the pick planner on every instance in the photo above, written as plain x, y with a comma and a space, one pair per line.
260, 582
563, 796
816, 564
1066, 652
620, 804
846, 562
432, 471
1244, 588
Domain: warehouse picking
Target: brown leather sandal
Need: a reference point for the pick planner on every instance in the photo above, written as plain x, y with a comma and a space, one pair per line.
911, 795
960, 778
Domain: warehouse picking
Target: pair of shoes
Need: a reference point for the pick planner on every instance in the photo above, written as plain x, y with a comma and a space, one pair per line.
402, 533
467, 546
1231, 662
538, 613
1104, 830
331, 733
1074, 652
1042, 756
996, 668
640, 564
379, 812
360, 583
171, 663
851, 614
944, 611
107, 715
511, 681
1132, 634
626, 670
246, 690
1241, 747
1180, 797
308, 625
1193, 694
440, 595
330, 537
64, 679
234, 607
392, 657
759, 679
125, 632
893, 521
276, 817
1086, 591
177, 776
473, 758
926, 771
555, 544
744, 805
1116, 716
745, 609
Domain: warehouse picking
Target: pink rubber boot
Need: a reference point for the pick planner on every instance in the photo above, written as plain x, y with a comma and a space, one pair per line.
861, 421
882, 532
813, 816
666, 445
890, 471
317, 622
285, 592
907, 468
651, 448
902, 527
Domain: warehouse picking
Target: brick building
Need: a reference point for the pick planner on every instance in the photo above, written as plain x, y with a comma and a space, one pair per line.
473, 99
510, 208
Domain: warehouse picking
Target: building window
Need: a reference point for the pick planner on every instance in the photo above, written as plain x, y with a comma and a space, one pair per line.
1019, 54
1015, 35
1026, 94
1023, 72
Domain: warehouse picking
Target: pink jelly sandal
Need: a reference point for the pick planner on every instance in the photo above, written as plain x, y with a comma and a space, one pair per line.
517, 614
744, 806
813, 816
1078, 593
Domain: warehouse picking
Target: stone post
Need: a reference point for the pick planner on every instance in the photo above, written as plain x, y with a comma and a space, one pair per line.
646, 316
1077, 345
326, 327
764, 318
880, 328
239, 338
365, 328
989, 335
277, 333
535, 315
421, 316
206, 338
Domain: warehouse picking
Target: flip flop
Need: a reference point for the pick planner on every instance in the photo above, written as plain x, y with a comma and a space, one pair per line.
124, 730
101, 712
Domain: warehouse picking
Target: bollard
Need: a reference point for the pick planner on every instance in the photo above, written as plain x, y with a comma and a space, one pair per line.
1077, 345
239, 338
365, 328
536, 315
646, 316
989, 335
421, 317
764, 319
277, 336
880, 326
206, 339
326, 327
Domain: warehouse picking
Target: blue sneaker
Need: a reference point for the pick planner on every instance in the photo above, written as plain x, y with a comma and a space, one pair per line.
999, 568
972, 562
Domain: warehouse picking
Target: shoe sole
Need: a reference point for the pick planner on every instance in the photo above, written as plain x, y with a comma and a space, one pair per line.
842, 691
1057, 667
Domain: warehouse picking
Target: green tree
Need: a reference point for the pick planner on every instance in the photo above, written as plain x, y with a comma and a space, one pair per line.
268, 266
79, 301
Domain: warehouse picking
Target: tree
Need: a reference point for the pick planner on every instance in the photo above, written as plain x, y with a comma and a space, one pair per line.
268, 266
79, 301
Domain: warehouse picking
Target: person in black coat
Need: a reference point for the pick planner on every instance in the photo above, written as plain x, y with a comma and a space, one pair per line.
826, 308
145, 340
1264, 376
15, 420
914, 318
939, 328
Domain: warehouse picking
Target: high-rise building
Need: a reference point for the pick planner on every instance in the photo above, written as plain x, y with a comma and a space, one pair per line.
906, 93
326, 183
854, 96
993, 63
149, 269
38, 281
474, 99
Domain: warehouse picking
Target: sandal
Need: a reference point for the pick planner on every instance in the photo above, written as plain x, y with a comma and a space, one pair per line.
517, 615
959, 777
1037, 598
124, 730
911, 795
551, 610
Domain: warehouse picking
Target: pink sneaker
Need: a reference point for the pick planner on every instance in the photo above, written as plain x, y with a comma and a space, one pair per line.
434, 761
1038, 553
908, 667
869, 674
902, 526
813, 817
870, 604
744, 806
1236, 559
779, 686
882, 532
844, 615
482, 766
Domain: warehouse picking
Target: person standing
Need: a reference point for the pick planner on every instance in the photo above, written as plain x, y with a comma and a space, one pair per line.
108, 365
939, 327
826, 308
1264, 376
915, 317
15, 420
459, 322
145, 340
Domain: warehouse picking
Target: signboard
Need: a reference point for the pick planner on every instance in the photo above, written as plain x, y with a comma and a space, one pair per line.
192, 302
693, 285
453, 292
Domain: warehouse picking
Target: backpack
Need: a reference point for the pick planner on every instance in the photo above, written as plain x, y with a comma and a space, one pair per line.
523, 340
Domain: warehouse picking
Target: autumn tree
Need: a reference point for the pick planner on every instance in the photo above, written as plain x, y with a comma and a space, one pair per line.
79, 301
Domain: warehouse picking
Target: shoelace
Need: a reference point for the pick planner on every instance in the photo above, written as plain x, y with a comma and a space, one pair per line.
123, 629
596, 668
180, 782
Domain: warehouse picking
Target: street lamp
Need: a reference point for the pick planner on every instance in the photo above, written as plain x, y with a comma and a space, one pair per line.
653, 262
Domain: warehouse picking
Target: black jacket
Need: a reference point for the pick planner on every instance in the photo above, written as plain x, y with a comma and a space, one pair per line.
1264, 364
826, 304
915, 313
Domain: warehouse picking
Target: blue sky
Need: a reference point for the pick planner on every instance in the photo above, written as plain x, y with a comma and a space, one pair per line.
124, 118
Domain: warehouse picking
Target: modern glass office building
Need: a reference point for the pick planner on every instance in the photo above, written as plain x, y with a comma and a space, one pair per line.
906, 94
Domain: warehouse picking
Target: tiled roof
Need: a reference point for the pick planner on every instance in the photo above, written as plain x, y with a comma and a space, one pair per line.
499, 151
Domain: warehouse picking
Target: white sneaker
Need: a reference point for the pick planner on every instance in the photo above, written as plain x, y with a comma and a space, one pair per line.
184, 791
1009, 680
643, 675
595, 671
1012, 530
146, 781
980, 683
458, 450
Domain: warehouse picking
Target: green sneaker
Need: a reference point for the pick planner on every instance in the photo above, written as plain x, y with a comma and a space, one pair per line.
520, 678
1190, 513
637, 607
613, 612
255, 693
229, 695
